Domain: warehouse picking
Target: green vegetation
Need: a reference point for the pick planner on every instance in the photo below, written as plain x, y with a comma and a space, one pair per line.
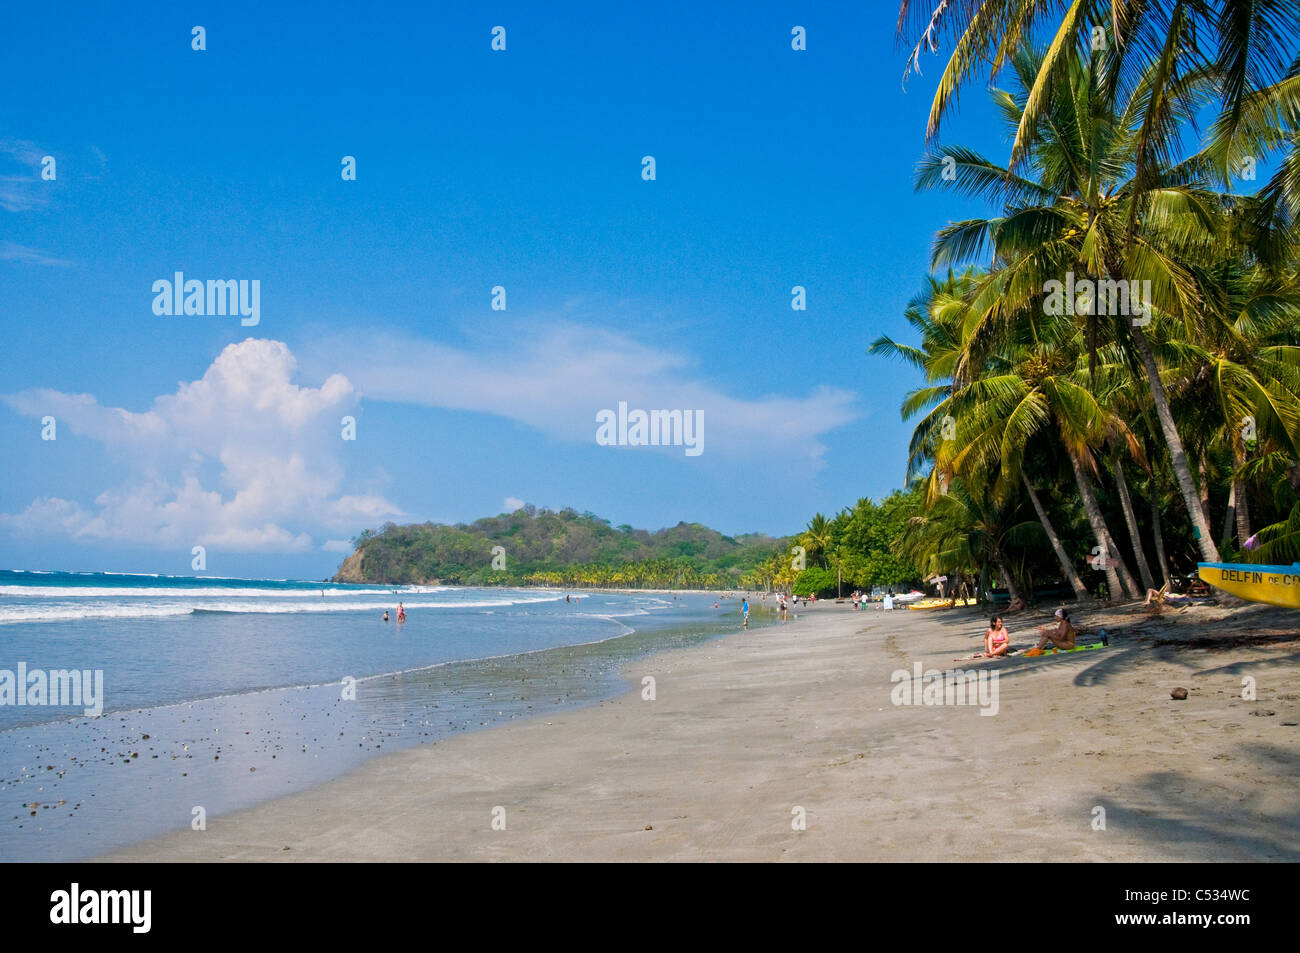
565, 548
854, 550
1076, 437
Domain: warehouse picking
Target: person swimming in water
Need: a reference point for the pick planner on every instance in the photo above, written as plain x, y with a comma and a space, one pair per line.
385, 615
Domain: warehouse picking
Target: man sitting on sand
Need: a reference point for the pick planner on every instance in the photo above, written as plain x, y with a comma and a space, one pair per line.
1061, 635
996, 640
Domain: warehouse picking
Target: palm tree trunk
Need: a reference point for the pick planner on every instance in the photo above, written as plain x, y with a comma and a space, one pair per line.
1130, 518
1242, 500
1125, 574
1177, 455
1205, 491
1080, 590
1105, 549
1229, 517
1160, 537
984, 584
1012, 591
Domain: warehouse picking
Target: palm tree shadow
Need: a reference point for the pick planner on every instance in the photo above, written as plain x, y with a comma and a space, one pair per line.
1111, 664
1242, 665
1118, 660
1188, 815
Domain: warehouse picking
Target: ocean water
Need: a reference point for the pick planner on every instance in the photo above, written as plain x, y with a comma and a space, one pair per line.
219, 693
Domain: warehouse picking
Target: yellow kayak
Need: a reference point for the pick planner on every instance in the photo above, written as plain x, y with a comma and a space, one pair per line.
1274, 585
931, 604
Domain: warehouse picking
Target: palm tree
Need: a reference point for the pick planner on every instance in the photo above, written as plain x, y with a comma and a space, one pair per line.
1247, 45
817, 538
1079, 209
978, 430
959, 535
1038, 391
1246, 372
1279, 543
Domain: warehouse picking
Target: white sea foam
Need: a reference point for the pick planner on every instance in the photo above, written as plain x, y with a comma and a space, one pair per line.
10, 615
62, 612
142, 592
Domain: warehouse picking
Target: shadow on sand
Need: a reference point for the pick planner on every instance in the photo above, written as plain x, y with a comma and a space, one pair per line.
1191, 816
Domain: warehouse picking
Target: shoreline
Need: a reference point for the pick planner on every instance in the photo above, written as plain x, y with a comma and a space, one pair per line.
137, 773
747, 728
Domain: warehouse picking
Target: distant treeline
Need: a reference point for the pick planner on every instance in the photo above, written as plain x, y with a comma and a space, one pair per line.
557, 548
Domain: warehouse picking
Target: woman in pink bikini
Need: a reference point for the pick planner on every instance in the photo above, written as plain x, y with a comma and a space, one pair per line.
996, 640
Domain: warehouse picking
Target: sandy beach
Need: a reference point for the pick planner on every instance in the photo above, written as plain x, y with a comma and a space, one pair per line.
749, 734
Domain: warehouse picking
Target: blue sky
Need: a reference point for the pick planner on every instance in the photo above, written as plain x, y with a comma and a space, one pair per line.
475, 168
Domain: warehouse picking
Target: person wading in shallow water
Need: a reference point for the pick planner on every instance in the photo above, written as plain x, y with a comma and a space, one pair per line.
401, 613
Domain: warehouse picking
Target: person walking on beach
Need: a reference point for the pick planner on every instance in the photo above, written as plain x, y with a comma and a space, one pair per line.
783, 607
996, 639
744, 611
1061, 635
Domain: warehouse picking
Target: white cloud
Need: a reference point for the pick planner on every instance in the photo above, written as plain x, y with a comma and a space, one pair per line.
557, 380
10, 251
21, 190
336, 546
513, 503
276, 445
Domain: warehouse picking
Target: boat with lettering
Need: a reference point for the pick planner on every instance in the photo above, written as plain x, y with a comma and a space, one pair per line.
1274, 585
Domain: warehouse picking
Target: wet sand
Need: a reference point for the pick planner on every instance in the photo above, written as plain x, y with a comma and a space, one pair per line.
749, 734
